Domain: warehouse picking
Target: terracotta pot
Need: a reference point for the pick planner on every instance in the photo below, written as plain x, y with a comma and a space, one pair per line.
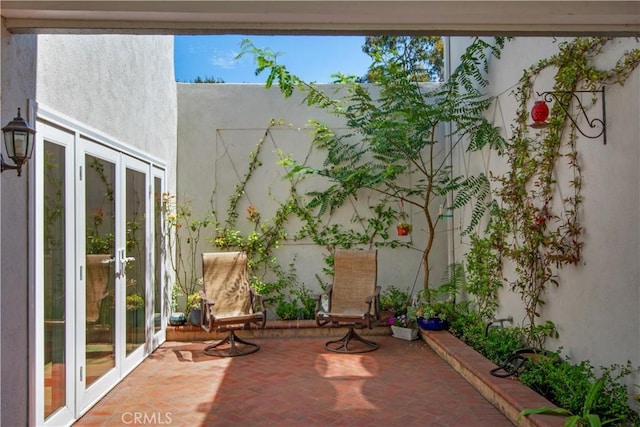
403, 230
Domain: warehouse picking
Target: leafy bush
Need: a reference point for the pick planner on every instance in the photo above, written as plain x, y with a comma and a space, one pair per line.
393, 299
567, 386
298, 304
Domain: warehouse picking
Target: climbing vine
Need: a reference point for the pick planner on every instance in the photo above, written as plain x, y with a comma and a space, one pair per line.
534, 229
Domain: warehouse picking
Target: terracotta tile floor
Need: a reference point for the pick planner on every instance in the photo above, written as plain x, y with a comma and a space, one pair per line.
295, 382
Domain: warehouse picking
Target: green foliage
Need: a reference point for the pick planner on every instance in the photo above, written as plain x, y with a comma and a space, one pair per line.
483, 269
299, 304
443, 302
394, 299
572, 387
580, 392
183, 235
134, 302
207, 79
194, 301
287, 310
392, 136
533, 229
426, 56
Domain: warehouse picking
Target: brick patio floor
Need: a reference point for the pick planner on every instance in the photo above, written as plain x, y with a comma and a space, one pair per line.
295, 382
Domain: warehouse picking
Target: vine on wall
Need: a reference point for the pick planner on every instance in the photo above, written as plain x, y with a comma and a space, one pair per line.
539, 233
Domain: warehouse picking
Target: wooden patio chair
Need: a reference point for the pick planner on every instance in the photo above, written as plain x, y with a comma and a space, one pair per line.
352, 300
229, 303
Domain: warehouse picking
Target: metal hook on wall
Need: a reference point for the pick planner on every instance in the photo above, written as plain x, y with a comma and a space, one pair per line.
563, 98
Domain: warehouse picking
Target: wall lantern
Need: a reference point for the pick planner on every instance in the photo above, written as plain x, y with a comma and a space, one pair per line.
540, 111
18, 140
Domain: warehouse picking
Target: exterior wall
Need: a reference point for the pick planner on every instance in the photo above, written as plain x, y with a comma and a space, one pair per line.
122, 86
222, 122
596, 306
17, 86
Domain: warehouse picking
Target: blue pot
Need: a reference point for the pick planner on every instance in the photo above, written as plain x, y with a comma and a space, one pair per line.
194, 316
177, 319
432, 323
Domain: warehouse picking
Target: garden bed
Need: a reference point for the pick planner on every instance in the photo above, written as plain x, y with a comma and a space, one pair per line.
507, 394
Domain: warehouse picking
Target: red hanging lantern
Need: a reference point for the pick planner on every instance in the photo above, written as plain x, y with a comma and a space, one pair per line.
539, 112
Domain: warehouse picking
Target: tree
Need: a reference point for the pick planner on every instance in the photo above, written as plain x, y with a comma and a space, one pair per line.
393, 135
423, 56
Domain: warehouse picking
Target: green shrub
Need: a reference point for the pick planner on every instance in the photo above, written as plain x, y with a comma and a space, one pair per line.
567, 385
563, 383
298, 304
393, 299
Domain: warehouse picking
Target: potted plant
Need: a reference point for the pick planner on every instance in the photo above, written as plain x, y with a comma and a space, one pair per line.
194, 307
404, 229
392, 302
404, 327
135, 310
433, 316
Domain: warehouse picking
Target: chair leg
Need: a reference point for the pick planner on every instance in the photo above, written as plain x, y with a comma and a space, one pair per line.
229, 347
342, 345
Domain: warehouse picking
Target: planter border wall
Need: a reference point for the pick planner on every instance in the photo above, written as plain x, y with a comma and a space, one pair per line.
509, 395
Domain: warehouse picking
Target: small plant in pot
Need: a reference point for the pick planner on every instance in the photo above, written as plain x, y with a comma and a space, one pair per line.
404, 229
194, 307
393, 302
433, 316
404, 326
135, 310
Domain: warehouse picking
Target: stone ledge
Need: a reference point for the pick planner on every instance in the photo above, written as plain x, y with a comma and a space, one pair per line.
273, 329
507, 394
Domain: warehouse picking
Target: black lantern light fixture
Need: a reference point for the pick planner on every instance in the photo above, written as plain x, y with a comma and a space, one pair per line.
18, 140
540, 112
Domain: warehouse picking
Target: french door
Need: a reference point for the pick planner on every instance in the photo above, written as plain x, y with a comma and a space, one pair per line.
100, 299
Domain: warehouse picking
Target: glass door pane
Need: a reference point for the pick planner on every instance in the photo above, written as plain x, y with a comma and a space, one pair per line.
135, 259
54, 278
100, 291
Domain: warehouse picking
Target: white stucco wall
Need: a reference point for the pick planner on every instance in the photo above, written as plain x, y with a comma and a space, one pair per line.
216, 119
596, 306
121, 85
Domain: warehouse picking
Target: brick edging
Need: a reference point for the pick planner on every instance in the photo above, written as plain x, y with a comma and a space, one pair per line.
509, 395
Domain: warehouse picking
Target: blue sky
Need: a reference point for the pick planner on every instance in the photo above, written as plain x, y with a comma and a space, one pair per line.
312, 58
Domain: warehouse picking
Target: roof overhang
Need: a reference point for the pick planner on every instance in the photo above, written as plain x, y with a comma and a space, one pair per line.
424, 17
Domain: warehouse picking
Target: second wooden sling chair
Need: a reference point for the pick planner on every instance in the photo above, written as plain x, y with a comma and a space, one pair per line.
229, 303
352, 300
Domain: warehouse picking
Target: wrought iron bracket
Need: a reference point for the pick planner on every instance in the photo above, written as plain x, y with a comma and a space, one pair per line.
5, 166
562, 98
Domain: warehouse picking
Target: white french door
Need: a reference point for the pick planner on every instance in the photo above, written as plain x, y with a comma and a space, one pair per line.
101, 266
99, 280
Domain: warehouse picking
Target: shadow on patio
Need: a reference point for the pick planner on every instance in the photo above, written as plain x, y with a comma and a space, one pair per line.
294, 382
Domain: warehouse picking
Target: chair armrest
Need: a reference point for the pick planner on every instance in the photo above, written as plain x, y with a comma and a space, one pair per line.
259, 299
374, 299
318, 298
207, 318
